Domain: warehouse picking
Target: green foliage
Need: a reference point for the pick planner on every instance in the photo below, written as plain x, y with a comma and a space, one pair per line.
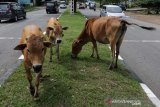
112, 1
150, 4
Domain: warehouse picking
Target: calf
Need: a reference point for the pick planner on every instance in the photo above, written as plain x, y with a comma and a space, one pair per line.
106, 30
54, 31
33, 47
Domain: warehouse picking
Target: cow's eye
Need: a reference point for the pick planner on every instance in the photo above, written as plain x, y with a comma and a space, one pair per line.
28, 50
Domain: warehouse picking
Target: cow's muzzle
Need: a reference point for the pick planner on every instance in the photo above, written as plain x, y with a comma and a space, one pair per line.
37, 68
59, 41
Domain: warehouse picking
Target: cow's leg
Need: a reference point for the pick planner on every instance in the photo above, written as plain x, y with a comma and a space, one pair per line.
57, 52
117, 52
92, 55
29, 78
118, 44
37, 81
51, 53
113, 55
95, 47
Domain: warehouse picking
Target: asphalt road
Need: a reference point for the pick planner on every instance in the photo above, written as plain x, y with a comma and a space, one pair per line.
10, 32
140, 51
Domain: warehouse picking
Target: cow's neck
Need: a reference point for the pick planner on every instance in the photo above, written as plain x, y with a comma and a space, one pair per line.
84, 37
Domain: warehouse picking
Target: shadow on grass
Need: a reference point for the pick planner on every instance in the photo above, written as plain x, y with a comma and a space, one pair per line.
76, 64
54, 94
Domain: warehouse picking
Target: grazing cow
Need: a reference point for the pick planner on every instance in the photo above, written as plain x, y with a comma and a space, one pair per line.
54, 31
106, 30
33, 47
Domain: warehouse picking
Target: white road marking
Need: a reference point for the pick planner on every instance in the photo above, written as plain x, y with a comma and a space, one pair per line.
59, 16
21, 57
119, 57
5, 38
150, 95
143, 41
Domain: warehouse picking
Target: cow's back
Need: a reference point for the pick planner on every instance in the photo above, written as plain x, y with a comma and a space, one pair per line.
104, 27
29, 31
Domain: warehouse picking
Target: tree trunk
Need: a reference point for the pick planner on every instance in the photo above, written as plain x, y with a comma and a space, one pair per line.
34, 3
100, 3
75, 6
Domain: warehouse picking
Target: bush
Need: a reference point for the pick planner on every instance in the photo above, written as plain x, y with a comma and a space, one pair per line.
150, 4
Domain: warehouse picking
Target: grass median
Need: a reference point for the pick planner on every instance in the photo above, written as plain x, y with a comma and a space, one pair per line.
83, 82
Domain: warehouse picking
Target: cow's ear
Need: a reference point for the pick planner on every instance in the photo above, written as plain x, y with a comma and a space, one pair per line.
47, 44
65, 28
20, 47
57, 19
27, 37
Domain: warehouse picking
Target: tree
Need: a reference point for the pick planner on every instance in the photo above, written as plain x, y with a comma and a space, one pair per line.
111, 1
34, 2
75, 6
150, 5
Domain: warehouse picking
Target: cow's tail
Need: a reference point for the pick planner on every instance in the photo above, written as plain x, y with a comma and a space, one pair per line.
144, 27
123, 28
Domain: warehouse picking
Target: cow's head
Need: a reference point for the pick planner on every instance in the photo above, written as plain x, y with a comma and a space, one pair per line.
55, 33
76, 47
34, 51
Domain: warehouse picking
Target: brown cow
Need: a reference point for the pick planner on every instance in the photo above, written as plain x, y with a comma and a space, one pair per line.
33, 47
106, 30
54, 31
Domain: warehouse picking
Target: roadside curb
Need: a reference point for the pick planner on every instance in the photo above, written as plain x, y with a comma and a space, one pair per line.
152, 97
9, 71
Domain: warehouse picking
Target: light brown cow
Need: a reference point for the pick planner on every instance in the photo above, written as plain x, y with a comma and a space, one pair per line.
54, 31
33, 47
106, 30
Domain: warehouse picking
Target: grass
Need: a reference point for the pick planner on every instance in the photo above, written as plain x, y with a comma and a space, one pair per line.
84, 82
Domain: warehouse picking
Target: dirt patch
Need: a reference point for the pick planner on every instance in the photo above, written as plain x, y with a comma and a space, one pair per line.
155, 19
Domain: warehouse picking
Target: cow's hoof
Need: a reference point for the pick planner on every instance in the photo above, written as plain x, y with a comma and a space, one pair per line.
36, 99
115, 66
58, 61
46, 76
110, 67
98, 57
32, 91
36, 95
